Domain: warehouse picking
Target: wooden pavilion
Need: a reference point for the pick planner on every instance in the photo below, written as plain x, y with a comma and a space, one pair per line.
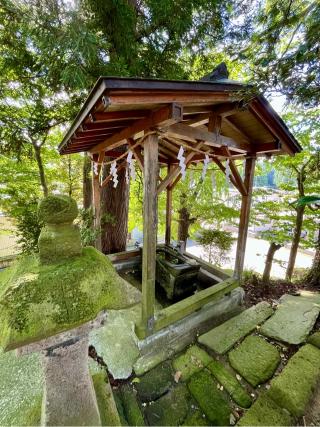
153, 119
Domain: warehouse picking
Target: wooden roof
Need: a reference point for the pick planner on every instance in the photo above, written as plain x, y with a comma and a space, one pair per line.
205, 117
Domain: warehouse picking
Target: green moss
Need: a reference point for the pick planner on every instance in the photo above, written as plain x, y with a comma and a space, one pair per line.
107, 407
230, 383
171, 409
156, 382
294, 387
265, 412
197, 418
211, 400
255, 359
57, 209
314, 339
120, 408
131, 407
192, 361
38, 301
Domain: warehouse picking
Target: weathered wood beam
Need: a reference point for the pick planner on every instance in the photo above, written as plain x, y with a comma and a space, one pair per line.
111, 116
96, 201
223, 170
200, 119
235, 173
150, 208
136, 152
168, 211
244, 217
176, 170
109, 177
164, 116
180, 130
236, 128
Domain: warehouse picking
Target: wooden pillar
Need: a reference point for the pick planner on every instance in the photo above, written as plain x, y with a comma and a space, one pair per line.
168, 211
244, 217
150, 222
96, 203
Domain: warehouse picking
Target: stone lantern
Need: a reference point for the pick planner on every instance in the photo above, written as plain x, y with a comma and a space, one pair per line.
49, 304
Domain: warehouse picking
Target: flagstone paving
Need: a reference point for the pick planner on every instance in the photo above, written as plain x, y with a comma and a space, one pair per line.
156, 382
225, 336
293, 320
314, 339
192, 361
255, 359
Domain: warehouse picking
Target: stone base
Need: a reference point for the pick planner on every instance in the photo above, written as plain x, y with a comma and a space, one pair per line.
69, 397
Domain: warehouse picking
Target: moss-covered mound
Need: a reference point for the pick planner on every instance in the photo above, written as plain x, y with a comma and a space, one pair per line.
38, 301
57, 209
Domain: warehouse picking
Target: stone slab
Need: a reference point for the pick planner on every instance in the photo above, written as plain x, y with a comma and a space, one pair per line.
210, 398
131, 407
192, 361
314, 339
156, 382
225, 336
255, 359
265, 412
171, 409
230, 383
197, 418
106, 404
294, 387
293, 319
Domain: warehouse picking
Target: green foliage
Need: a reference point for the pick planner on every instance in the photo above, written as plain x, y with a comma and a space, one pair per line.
28, 227
217, 243
308, 200
87, 230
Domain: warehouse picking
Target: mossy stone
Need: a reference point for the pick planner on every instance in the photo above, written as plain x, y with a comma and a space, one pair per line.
57, 209
255, 359
294, 387
38, 301
118, 400
107, 407
230, 383
192, 361
314, 339
197, 418
156, 382
211, 400
265, 412
131, 407
225, 336
171, 409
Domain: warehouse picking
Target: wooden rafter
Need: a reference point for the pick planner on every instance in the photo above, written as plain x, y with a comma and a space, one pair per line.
235, 173
236, 128
111, 116
164, 116
223, 170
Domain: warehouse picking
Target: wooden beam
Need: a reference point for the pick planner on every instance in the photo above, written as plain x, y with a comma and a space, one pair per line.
234, 127
164, 116
223, 170
180, 130
168, 210
109, 177
111, 116
235, 173
244, 217
150, 208
176, 170
189, 305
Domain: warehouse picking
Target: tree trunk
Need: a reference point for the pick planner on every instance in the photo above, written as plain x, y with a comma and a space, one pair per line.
295, 242
314, 274
114, 214
184, 220
86, 182
43, 181
268, 265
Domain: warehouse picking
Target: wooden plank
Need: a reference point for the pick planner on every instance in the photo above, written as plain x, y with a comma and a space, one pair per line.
165, 115
168, 211
180, 130
244, 217
213, 269
234, 127
176, 170
183, 308
111, 116
125, 255
150, 221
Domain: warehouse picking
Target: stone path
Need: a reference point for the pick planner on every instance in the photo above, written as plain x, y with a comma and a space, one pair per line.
293, 320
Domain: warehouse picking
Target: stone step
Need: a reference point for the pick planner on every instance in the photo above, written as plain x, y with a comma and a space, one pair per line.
192, 361
224, 337
293, 319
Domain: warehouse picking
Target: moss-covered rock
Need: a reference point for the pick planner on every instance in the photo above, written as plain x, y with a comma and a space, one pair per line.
156, 382
211, 400
38, 301
255, 359
131, 407
230, 383
192, 361
197, 418
118, 400
171, 409
294, 387
265, 412
57, 209
107, 407
314, 339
